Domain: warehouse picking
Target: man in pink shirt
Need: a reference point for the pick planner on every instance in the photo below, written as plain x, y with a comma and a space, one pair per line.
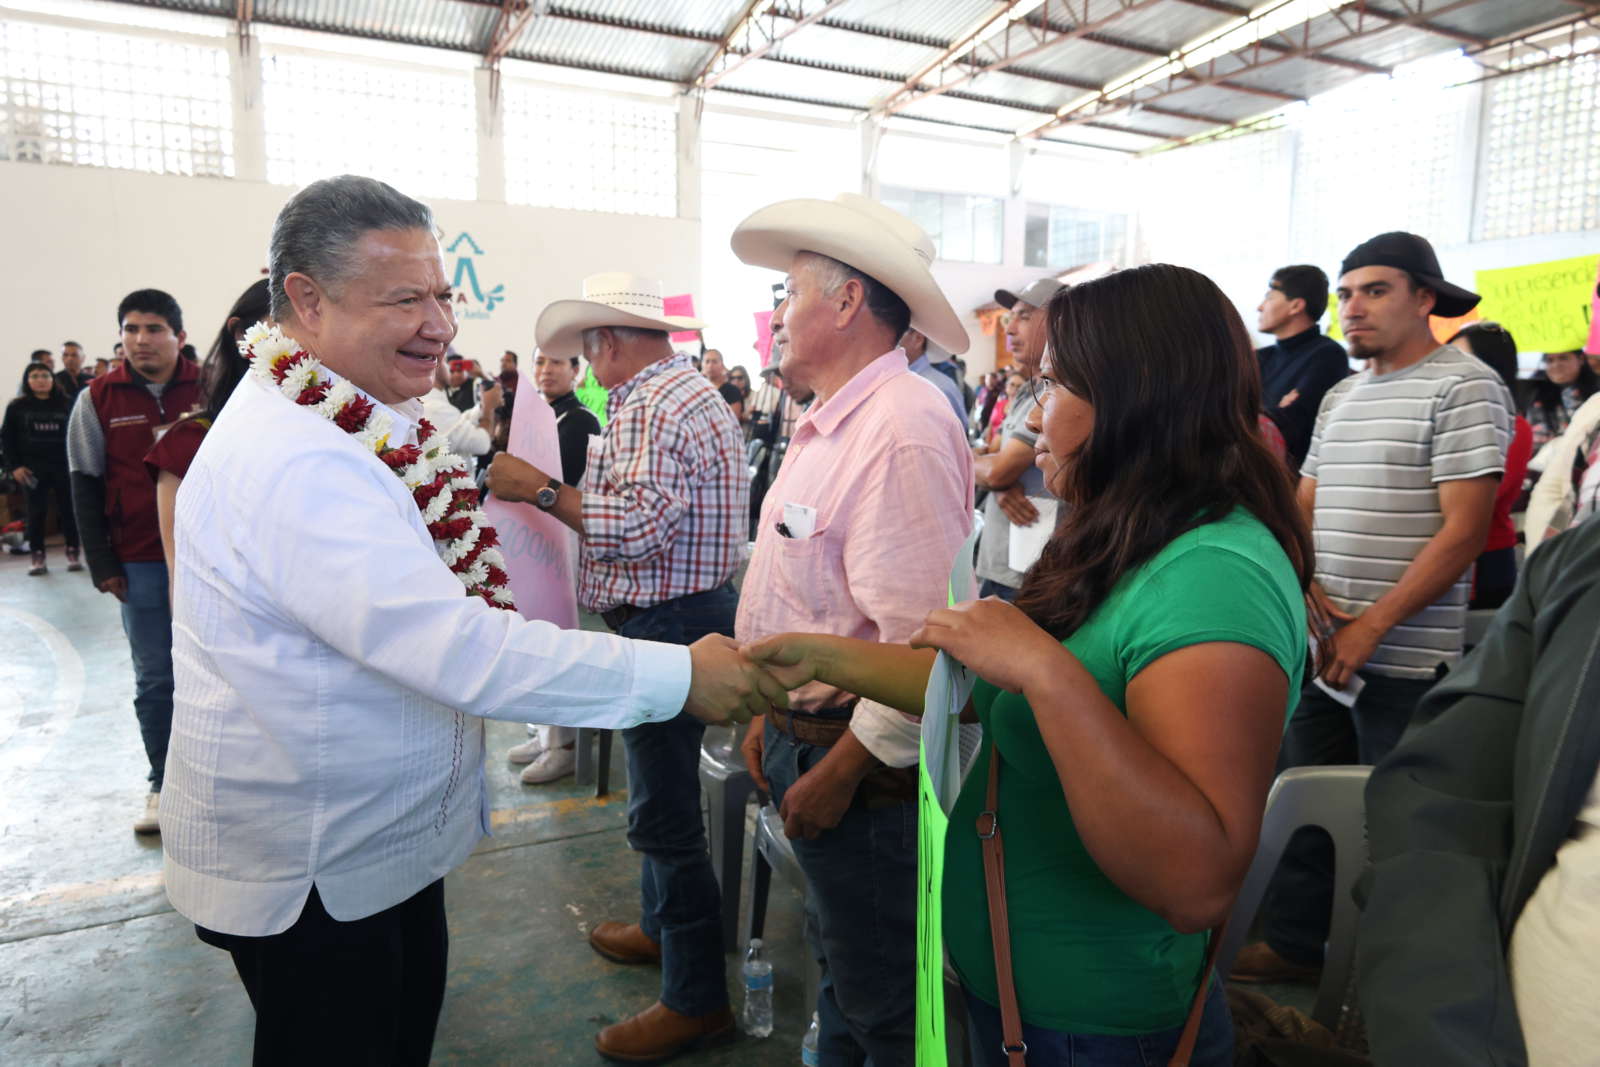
856, 538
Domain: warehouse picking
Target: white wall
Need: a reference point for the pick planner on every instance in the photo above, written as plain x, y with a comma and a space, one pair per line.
88, 236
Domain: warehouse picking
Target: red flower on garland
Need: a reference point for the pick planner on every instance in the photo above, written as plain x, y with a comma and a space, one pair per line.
354, 415
313, 394
404, 456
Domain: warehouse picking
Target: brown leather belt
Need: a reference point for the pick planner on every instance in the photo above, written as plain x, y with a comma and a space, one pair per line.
814, 728
883, 786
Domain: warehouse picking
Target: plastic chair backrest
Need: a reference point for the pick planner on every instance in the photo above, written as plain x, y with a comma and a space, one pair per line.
1330, 798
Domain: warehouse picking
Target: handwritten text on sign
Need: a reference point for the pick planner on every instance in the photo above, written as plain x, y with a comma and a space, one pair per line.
1546, 306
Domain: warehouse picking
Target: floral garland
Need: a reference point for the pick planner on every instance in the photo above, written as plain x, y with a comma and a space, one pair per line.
437, 478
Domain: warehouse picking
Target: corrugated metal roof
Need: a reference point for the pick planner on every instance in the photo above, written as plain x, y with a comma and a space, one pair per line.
806, 83
864, 49
940, 20
856, 51
1085, 61
609, 48
711, 17
202, 7
454, 25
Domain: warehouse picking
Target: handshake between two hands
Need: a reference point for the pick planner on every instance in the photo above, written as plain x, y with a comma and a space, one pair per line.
731, 683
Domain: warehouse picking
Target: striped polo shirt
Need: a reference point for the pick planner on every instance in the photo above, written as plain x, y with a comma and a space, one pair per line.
1381, 445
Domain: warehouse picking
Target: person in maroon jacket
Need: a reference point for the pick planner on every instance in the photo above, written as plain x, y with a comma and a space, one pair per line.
113, 425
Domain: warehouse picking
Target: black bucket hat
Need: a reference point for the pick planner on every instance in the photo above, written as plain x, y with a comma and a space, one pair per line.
1414, 255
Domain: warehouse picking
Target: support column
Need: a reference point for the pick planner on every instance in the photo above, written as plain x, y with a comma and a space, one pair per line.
491, 142
688, 157
249, 127
871, 136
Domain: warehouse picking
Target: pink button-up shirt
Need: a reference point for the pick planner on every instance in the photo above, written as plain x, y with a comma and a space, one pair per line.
890, 477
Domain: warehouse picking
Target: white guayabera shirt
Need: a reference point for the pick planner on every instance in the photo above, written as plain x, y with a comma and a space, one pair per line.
331, 673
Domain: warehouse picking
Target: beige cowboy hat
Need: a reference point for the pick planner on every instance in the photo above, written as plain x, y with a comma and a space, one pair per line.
610, 299
861, 233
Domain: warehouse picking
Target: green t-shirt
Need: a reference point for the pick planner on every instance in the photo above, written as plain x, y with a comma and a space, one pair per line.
1088, 958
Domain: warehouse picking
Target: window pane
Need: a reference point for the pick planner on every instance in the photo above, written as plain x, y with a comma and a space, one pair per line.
325, 116
65, 99
589, 152
967, 229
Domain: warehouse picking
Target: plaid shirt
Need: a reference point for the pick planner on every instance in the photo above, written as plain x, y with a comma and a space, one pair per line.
666, 497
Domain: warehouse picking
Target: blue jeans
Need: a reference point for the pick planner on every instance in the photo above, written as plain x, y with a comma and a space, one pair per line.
147, 620
861, 917
680, 905
989, 587
1057, 1048
1322, 732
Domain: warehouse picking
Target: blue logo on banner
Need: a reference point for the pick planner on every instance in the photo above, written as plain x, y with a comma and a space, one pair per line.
472, 300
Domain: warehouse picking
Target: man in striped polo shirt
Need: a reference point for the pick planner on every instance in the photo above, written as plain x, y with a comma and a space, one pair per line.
1398, 486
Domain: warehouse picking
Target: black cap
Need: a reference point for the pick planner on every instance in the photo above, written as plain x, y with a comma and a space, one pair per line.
1414, 255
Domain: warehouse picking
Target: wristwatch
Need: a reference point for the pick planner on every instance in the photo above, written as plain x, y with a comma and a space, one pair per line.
546, 498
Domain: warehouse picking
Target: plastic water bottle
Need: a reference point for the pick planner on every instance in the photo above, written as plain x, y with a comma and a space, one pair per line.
809, 1056
757, 1019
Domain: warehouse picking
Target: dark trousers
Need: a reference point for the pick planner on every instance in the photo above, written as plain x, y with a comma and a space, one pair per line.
861, 921
1059, 1048
680, 905
1322, 732
147, 620
346, 993
50, 481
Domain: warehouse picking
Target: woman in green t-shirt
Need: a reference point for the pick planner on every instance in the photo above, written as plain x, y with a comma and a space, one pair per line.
1135, 695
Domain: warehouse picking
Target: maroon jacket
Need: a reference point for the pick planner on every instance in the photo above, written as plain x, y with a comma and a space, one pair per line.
129, 416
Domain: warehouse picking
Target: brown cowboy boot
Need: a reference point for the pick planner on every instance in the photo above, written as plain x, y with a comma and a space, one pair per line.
624, 943
659, 1033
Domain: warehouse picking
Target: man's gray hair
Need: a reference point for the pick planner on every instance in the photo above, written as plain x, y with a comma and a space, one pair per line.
885, 306
624, 334
318, 228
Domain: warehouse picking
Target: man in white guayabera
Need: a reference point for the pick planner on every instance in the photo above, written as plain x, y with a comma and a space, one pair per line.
339, 633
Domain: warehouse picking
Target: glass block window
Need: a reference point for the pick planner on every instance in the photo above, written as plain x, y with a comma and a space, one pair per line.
1386, 154
325, 116
589, 152
967, 229
1063, 237
84, 97
1540, 164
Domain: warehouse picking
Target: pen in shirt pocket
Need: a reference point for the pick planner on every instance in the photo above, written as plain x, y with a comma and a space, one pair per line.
783, 530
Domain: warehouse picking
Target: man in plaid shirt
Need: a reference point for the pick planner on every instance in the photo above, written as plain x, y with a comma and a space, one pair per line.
662, 514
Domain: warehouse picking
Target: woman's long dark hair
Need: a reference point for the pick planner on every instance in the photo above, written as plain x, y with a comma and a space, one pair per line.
225, 367
1163, 358
56, 392
1541, 389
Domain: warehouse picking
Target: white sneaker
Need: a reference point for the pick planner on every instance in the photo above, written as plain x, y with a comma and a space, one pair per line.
150, 821
526, 752
552, 764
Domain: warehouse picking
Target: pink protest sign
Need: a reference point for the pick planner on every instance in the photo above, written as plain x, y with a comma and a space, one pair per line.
537, 546
764, 336
682, 306
1592, 346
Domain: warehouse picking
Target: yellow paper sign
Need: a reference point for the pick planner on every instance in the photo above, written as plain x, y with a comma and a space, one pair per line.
1546, 306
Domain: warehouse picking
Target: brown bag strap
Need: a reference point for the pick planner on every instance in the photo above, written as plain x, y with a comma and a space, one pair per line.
994, 876
1197, 1007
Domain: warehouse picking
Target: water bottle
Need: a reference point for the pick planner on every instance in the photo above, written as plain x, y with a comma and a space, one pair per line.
809, 1056
757, 1019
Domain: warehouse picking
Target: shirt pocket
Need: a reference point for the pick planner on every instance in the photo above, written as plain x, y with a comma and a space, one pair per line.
806, 579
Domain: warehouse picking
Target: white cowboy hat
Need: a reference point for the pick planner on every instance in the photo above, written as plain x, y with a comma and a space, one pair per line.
611, 299
861, 233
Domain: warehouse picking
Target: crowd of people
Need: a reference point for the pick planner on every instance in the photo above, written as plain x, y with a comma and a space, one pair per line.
319, 620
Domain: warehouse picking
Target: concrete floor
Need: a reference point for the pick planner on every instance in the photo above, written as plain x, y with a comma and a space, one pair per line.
96, 968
